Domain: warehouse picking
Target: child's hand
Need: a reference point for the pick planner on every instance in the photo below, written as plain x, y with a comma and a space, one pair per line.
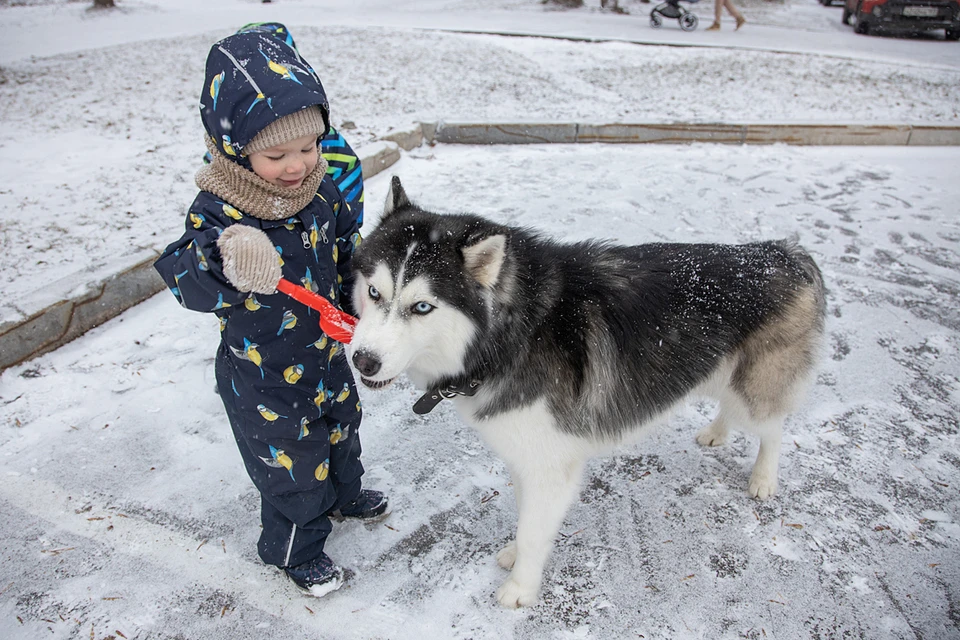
250, 262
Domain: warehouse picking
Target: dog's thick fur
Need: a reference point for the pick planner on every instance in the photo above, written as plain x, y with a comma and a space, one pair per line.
578, 346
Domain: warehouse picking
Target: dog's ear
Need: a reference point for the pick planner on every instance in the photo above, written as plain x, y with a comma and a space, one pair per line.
396, 197
484, 258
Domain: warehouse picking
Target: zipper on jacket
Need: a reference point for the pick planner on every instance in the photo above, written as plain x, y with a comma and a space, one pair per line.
306, 239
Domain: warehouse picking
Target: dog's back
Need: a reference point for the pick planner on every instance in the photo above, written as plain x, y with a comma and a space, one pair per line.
615, 335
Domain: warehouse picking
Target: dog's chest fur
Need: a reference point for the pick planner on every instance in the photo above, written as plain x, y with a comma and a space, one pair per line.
528, 437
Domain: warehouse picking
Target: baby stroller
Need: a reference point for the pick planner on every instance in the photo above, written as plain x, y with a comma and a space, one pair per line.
672, 9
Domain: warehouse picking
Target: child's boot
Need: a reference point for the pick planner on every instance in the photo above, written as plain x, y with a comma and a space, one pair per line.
740, 22
318, 577
370, 506
714, 27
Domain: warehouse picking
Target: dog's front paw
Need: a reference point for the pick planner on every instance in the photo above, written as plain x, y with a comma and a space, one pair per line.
762, 486
512, 595
508, 555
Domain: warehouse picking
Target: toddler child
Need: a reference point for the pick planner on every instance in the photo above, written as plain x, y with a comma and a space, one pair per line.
266, 210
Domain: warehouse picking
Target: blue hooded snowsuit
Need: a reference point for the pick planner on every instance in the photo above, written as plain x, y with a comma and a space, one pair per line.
286, 387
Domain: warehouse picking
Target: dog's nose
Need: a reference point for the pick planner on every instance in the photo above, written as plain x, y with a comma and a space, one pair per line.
366, 364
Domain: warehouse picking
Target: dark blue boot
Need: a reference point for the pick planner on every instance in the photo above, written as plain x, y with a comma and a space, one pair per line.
370, 506
318, 577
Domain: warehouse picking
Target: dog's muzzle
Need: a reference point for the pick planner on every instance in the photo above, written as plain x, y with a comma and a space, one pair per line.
369, 365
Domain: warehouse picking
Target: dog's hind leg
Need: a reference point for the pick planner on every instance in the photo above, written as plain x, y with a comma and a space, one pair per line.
734, 411
730, 412
546, 494
763, 480
775, 366
715, 434
507, 556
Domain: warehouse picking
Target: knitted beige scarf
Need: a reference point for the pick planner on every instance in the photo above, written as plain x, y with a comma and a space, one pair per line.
253, 195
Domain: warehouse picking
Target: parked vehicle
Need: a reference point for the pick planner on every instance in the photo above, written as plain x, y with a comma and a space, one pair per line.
903, 15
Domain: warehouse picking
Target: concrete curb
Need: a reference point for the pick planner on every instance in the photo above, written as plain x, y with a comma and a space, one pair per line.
65, 310
679, 133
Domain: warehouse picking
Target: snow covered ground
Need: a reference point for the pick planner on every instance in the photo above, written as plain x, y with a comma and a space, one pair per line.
125, 508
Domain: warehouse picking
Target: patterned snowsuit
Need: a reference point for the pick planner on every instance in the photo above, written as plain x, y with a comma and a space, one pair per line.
286, 387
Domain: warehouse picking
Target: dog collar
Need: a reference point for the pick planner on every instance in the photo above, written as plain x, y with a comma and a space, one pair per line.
432, 398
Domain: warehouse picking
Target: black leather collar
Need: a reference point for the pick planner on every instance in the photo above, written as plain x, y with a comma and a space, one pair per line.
432, 398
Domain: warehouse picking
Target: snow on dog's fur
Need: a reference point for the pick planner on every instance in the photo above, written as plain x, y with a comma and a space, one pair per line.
570, 349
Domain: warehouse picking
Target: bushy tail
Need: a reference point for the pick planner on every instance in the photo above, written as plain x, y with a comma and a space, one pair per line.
810, 270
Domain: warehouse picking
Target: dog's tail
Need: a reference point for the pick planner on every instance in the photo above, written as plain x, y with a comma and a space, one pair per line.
809, 270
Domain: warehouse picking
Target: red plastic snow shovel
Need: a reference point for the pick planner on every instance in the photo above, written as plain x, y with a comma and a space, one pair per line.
334, 322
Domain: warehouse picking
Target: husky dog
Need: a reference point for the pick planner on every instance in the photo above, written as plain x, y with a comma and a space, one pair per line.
558, 352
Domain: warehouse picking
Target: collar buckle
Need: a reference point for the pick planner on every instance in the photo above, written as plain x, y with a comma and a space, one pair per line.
432, 398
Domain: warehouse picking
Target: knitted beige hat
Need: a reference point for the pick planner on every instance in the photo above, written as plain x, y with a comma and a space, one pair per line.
306, 122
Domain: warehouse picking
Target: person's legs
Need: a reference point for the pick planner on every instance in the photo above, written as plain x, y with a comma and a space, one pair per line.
283, 543
734, 12
289, 471
345, 466
342, 415
718, 11
346, 471
303, 474
292, 510
717, 8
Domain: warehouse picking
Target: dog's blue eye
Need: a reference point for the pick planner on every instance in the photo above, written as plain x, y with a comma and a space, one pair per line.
422, 308
373, 292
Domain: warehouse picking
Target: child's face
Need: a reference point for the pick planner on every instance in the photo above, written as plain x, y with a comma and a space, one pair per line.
287, 164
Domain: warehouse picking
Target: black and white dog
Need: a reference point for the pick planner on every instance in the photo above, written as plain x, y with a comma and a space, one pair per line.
558, 352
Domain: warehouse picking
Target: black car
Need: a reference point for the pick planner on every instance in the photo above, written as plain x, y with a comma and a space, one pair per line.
904, 15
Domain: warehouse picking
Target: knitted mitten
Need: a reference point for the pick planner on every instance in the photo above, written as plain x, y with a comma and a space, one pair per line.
250, 262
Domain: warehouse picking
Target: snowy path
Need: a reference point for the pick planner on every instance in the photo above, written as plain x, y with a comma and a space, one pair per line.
126, 508
796, 26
